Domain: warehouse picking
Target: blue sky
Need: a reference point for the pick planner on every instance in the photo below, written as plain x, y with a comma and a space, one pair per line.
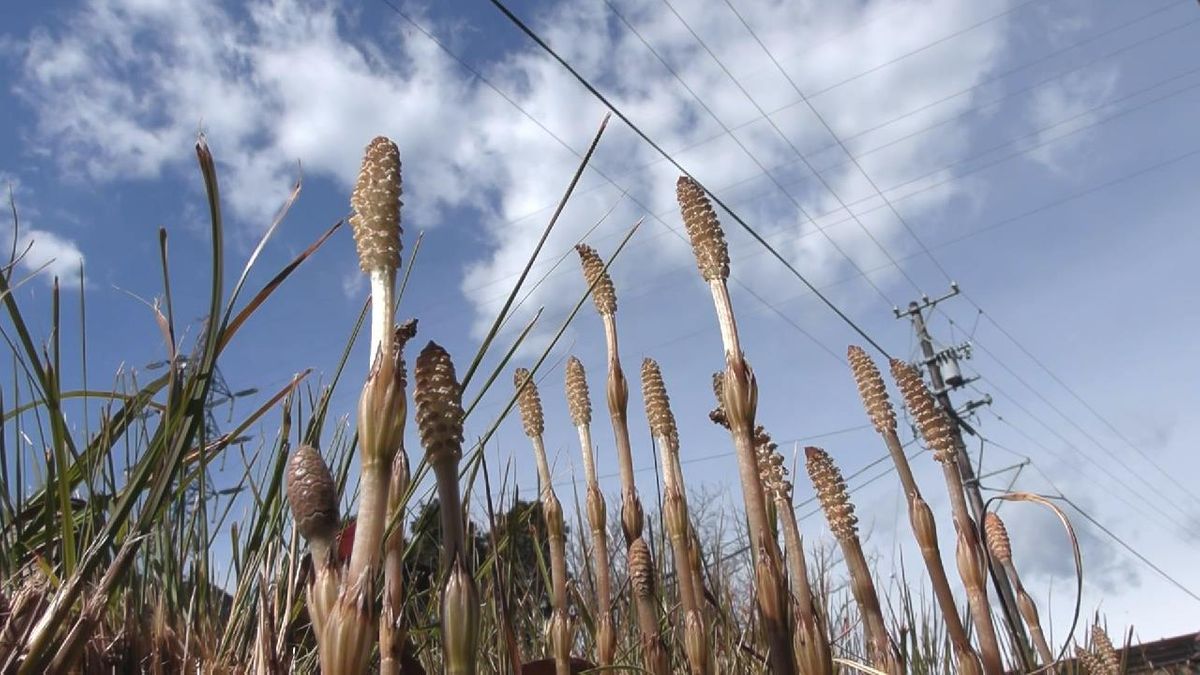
1041, 152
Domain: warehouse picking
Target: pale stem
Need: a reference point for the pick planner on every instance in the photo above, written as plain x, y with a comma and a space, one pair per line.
589, 459
775, 625
725, 318
383, 284
676, 509
543, 464
665, 456
372, 519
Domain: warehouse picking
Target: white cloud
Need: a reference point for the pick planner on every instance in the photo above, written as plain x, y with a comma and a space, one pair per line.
120, 91
58, 256
287, 84
1069, 98
40, 251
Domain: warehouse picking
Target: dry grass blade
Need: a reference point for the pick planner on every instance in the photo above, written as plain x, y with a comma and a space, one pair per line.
273, 285
166, 457
562, 202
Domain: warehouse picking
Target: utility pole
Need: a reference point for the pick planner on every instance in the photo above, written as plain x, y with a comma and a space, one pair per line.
933, 362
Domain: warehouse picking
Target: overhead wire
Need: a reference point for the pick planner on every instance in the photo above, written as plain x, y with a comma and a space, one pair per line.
812, 169
1023, 144
1190, 492
763, 169
1065, 460
587, 84
1092, 520
1149, 501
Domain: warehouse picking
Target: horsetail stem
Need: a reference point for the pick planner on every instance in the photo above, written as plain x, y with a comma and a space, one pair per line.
839, 512
438, 396
739, 400
617, 391
1001, 548
678, 523
580, 406
533, 421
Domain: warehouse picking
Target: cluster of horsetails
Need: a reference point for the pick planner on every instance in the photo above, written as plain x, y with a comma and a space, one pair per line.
331, 569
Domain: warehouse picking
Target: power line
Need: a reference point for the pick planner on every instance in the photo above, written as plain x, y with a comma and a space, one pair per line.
1095, 522
658, 148
926, 46
1068, 461
1082, 114
763, 115
955, 240
636, 129
1016, 92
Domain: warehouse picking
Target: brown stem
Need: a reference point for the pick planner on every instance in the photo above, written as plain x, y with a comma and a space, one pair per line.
1029, 612
969, 554
925, 531
882, 652
740, 394
810, 641
606, 637
391, 632
631, 507
642, 583
560, 627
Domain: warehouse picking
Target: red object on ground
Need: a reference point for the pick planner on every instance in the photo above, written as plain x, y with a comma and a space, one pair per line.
345, 541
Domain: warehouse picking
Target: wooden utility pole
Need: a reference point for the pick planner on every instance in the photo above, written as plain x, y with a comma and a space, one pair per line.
1004, 591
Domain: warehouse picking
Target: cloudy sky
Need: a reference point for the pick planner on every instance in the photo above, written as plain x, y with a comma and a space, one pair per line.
1041, 153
